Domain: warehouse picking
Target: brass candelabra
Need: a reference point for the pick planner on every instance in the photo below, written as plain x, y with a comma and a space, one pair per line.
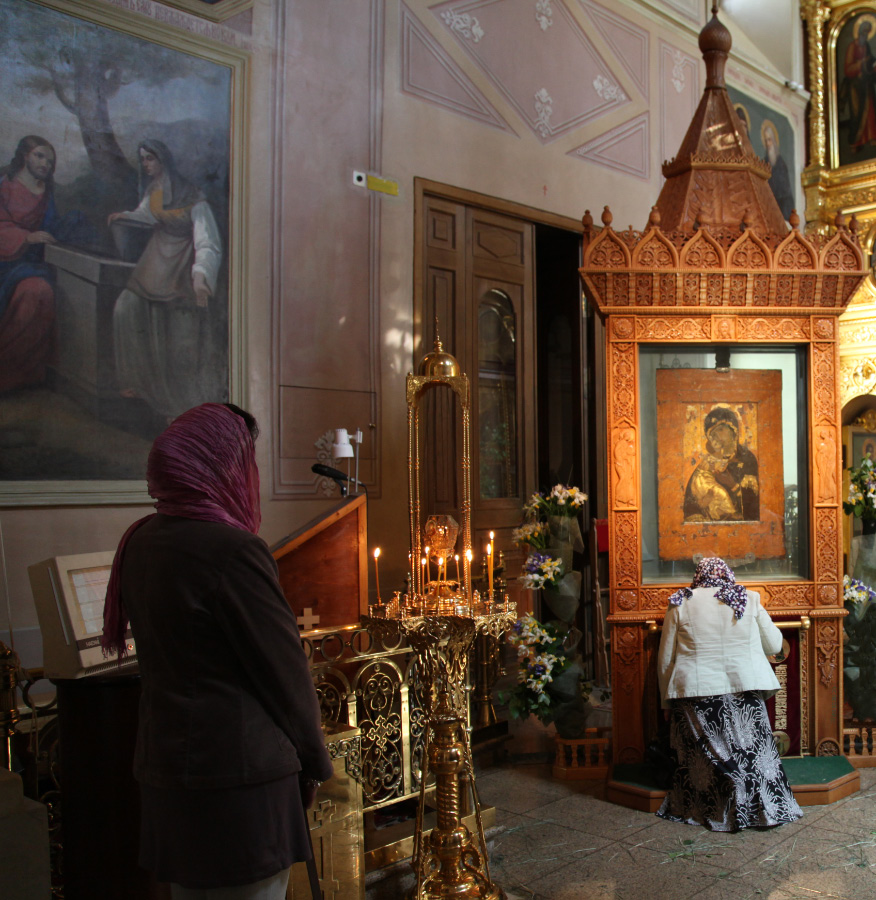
441, 619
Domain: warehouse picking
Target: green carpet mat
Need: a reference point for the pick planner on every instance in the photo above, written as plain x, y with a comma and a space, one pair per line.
799, 769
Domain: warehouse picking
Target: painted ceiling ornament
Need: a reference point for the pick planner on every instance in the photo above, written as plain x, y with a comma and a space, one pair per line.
544, 14
678, 76
607, 89
544, 107
464, 24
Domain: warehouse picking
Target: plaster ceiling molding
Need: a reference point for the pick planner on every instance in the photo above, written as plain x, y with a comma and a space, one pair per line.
554, 78
679, 96
428, 73
624, 149
628, 41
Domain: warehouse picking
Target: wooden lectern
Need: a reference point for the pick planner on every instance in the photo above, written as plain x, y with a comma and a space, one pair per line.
324, 567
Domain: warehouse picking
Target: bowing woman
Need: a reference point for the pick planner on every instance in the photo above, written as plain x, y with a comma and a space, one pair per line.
714, 677
229, 744
162, 344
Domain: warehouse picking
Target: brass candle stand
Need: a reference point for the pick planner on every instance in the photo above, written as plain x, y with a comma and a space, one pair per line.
441, 619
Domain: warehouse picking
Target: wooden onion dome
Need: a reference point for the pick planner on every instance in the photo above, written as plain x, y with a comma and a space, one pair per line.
716, 236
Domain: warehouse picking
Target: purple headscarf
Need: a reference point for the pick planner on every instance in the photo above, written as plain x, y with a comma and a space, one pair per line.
201, 467
714, 572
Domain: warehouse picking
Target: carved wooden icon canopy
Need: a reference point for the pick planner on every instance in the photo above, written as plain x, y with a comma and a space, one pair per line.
715, 264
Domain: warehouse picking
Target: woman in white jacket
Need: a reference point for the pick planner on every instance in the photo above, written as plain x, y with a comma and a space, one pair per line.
714, 677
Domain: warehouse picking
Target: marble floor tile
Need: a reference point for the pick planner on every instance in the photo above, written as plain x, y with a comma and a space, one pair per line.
622, 873
530, 848
586, 813
520, 789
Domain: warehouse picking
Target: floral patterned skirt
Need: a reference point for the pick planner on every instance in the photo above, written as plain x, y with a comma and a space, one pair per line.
729, 773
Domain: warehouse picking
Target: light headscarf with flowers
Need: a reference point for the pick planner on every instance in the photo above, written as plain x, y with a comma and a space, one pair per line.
714, 572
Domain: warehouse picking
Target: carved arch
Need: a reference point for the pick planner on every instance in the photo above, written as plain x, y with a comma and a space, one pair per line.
795, 253
703, 252
608, 251
655, 251
749, 252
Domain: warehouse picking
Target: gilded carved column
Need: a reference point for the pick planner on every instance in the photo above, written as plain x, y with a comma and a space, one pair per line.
815, 13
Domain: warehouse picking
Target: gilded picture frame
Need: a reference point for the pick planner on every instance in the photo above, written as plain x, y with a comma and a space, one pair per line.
177, 91
719, 464
212, 10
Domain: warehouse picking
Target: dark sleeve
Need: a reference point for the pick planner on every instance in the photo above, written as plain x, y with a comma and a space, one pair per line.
261, 627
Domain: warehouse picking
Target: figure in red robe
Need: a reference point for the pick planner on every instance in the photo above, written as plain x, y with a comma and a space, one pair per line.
27, 303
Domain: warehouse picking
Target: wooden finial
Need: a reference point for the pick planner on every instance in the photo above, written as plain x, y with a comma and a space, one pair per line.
853, 224
587, 219
654, 217
607, 217
794, 219
840, 221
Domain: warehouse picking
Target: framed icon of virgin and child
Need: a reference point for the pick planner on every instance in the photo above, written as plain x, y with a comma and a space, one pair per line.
719, 463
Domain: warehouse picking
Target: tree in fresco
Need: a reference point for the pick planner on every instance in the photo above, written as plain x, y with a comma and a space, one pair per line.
84, 67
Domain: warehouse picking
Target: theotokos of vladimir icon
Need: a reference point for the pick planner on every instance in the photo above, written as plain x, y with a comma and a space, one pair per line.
724, 485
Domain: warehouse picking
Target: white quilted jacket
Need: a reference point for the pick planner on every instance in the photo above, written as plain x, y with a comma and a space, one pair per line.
705, 650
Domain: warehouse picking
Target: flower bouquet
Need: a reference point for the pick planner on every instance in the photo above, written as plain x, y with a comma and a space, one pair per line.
861, 504
859, 651
551, 531
862, 491
550, 680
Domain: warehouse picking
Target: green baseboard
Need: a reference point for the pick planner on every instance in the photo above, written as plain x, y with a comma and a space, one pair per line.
799, 769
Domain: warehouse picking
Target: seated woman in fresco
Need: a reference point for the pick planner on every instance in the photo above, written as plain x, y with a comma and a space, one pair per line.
159, 323
714, 677
724, 486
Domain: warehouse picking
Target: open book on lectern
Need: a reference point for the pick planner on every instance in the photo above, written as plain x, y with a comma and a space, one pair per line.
69, 593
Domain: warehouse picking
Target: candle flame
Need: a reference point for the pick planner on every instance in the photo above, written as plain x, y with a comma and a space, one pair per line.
376, 552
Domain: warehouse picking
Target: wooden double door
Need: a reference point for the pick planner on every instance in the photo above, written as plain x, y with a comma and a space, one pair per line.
478, 282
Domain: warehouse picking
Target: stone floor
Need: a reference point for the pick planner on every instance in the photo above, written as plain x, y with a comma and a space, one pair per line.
559, 840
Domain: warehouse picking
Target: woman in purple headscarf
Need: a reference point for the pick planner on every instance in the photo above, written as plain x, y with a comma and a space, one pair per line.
714, 677
229, 746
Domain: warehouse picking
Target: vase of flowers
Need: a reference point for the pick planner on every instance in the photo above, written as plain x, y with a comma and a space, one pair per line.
861, 504
550, 680
553, 535
859, 650
861, 501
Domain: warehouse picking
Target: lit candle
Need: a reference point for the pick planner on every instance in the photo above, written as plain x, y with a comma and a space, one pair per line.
440, 567
456, 557
428, 569
490, 568
376, 573
423, 576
